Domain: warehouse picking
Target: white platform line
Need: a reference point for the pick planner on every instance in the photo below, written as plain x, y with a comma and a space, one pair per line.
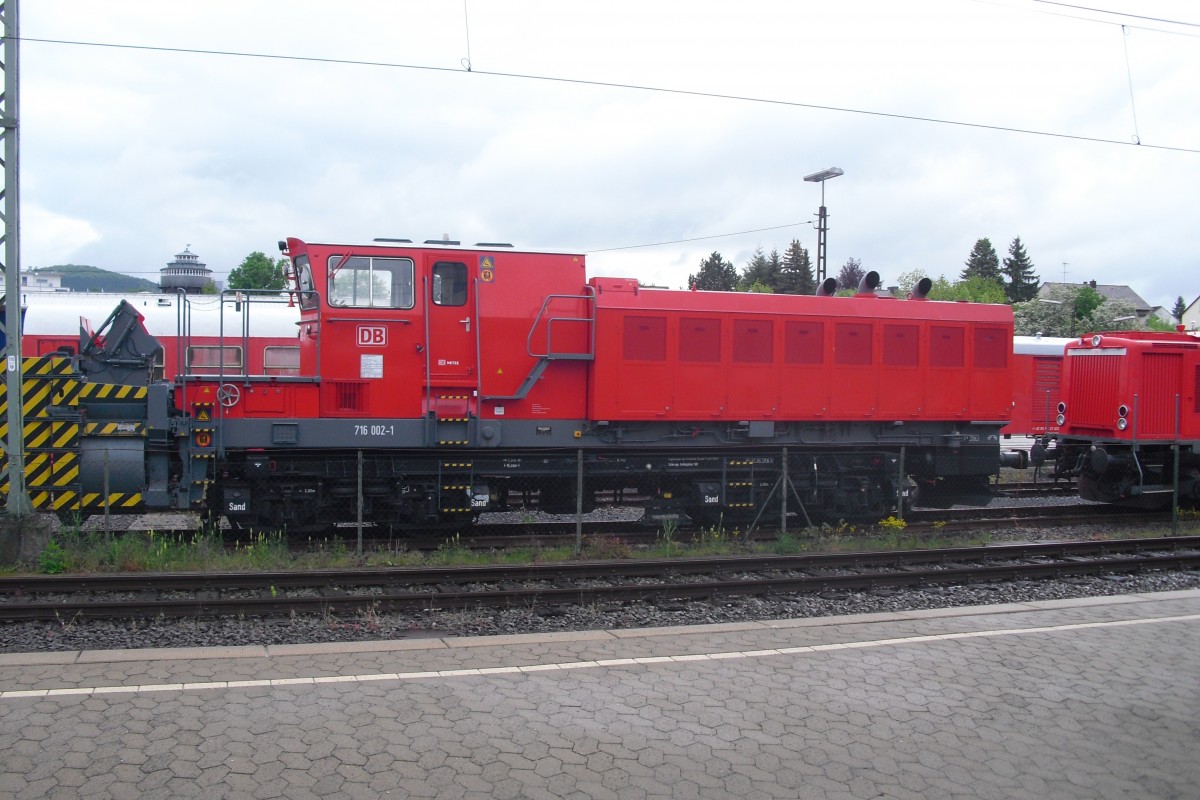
272, 683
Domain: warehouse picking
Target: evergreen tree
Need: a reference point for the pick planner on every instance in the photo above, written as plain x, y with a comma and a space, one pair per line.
258, 271
796, 272
852, 272
775, 269
983, 262
757, 271
1179, 309
1022, 280
762, 271
716, 274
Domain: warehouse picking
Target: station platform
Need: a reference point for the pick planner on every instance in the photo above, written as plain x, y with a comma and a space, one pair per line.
1092, 698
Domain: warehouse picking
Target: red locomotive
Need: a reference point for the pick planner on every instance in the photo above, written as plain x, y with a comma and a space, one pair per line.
1130, 407
468, 374
1037, 379
437, 381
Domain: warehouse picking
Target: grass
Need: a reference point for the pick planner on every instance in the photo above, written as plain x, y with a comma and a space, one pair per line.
75, 551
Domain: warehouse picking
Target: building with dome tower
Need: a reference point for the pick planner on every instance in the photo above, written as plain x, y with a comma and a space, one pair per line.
186, 272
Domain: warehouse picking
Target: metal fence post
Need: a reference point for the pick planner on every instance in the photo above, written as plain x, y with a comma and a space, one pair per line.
107, 526
900, 486
1175, 489
360, 503
579, 502
784, 484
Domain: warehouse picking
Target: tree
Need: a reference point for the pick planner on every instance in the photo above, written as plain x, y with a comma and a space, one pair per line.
1179, 309
983, 261
761, 271
975, 290
852, 272
716, 274
796, 272
1022, 280
1073, 311
258, 271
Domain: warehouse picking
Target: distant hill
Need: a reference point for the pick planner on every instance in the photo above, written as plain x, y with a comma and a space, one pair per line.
82, 278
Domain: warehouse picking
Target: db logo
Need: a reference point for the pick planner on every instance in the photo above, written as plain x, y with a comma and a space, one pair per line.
372, 336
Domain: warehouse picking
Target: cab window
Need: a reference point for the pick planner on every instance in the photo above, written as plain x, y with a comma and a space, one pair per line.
449, 283
366, 282
308, 297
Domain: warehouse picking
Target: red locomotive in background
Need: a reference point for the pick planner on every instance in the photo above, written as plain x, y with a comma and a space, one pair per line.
1129, 417
436, 381
198, 333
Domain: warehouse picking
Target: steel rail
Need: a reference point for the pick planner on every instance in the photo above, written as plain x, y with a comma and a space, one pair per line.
443, 588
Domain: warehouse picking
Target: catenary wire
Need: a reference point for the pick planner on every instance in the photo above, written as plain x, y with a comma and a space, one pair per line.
615, 85
1052, 13
1118, 13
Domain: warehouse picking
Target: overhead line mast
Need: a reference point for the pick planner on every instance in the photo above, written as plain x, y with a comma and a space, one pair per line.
18, 504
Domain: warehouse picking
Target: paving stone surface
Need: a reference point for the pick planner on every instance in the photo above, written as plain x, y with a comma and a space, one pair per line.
1048, 700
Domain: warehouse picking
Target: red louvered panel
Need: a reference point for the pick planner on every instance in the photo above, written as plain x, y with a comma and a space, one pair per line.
1161, 384
1094, 383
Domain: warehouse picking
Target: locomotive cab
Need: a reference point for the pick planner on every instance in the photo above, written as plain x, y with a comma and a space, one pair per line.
440, 331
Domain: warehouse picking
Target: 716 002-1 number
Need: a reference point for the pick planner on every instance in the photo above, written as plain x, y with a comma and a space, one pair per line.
374, 430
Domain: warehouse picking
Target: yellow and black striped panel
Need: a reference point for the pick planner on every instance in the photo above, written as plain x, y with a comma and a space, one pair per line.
58, 435
114, 429
54, 499
111, 391
49, 499
37, 396
46, 366
74, 500
117, 501
44, 380
43, 433
59, 470
43, 368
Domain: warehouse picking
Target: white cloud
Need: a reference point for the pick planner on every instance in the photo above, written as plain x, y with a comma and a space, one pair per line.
49, 239
153, 150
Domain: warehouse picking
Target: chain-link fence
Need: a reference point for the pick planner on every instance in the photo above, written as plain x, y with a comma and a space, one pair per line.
363, 496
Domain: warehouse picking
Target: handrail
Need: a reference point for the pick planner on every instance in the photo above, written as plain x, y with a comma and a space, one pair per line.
543, 359
588, 297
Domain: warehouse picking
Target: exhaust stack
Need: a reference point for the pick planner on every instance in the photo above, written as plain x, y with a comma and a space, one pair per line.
921, 290
869, 283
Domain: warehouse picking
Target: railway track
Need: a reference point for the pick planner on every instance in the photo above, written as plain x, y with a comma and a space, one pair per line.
540, 586
549, 531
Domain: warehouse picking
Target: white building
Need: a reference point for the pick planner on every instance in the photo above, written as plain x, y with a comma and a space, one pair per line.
1191, 316
42, 282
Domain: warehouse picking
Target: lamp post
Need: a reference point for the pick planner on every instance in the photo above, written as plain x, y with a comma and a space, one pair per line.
821, 177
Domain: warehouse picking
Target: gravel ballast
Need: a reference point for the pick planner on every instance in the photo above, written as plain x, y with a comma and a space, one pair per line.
65, 634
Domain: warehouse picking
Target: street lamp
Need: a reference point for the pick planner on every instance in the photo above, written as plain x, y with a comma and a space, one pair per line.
821, 177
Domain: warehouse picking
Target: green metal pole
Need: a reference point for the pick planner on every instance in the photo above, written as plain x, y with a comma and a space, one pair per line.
18, 504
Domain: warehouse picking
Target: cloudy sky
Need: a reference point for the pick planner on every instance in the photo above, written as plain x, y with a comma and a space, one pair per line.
644, 133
